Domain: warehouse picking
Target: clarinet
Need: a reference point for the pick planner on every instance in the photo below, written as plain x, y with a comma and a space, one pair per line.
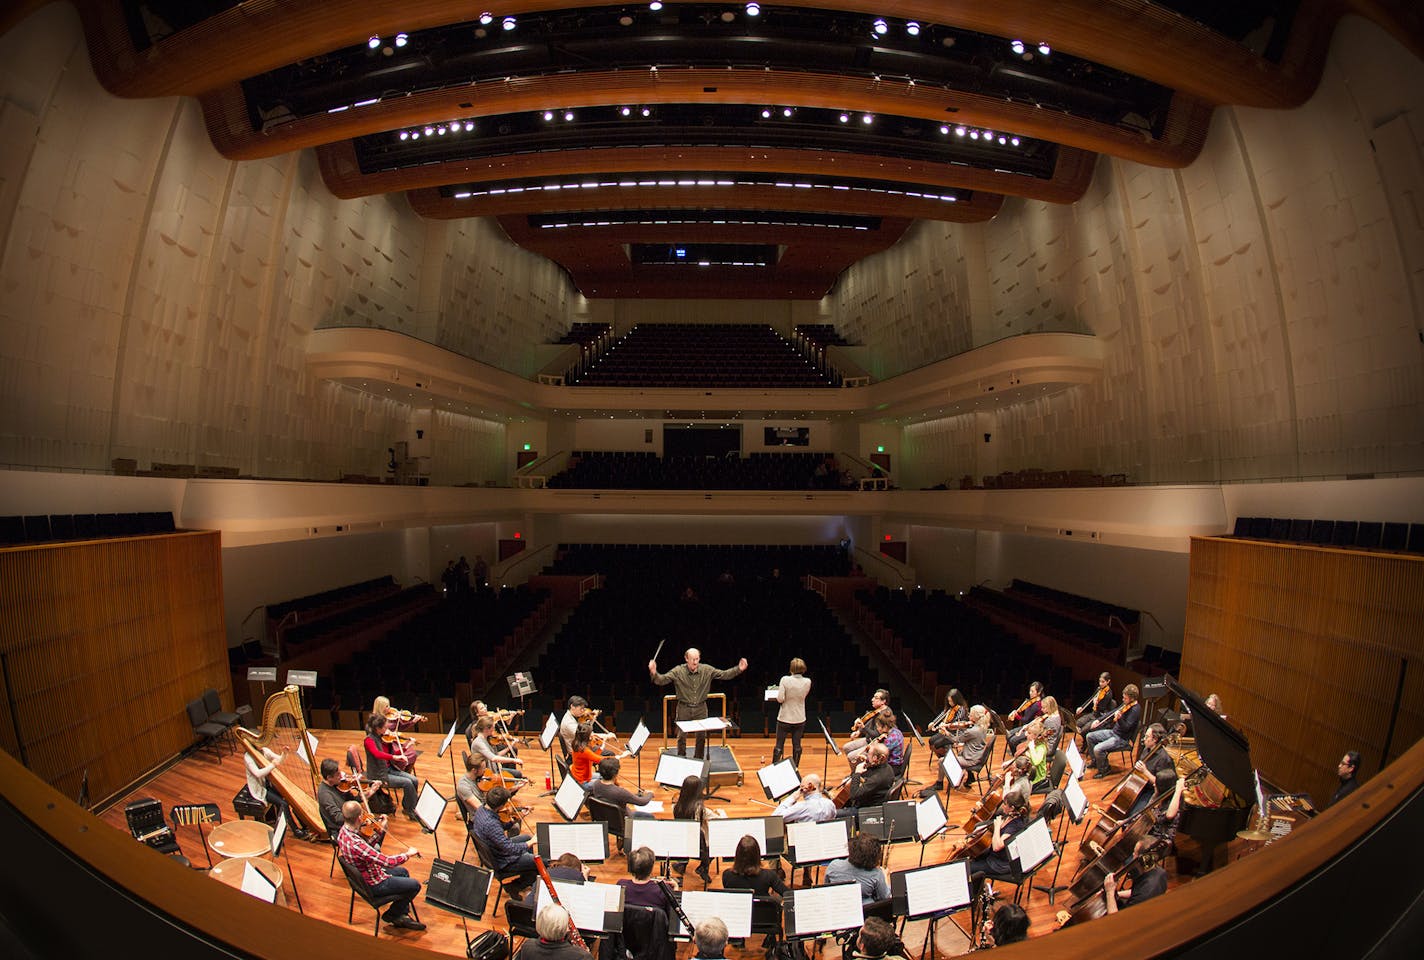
672, 902
554, 896
986, 900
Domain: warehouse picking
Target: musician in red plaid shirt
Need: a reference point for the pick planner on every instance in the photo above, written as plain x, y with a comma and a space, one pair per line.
383, 873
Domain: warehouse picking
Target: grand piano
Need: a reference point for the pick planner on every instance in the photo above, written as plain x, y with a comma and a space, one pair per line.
1220, 804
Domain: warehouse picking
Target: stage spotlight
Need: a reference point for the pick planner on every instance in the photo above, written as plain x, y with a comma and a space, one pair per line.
509, 23
569, 115
766, 113
626, 111
944, 130
912, 28
405, 134
845, 118
1017, 46
880, 27
402, 39
867, 118
374, 42
647, 111
548, 116
1044, 48
486, 18
753, 9
469, 125
787, 112
960, 131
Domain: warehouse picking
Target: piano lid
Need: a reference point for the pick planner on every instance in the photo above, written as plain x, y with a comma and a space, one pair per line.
1220, 746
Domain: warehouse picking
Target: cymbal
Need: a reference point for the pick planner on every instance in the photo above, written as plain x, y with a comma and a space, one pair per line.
1254, 834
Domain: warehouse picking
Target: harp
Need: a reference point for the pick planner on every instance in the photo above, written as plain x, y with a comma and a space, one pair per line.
284, 703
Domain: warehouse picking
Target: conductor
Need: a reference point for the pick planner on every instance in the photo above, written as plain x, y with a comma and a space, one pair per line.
692, 681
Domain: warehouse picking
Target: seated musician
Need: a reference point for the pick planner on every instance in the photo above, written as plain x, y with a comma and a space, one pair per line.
330, 799
553, 943
380, 762
866, 728
878, 940
576, 715
1100, 704
1010, 820
972, 745
496, 759
870, 783
807, 805
639, 887
607, 788
567, 867
382, 873
584, 759
1149, 880
506, 852
893, 738
861, 864
1346, 769
1052, 720
382, 706
1034, 749
477, 710
1009, 925
1116, 732
956, 717
748, 872
1025, 713
710, 935
1018, 778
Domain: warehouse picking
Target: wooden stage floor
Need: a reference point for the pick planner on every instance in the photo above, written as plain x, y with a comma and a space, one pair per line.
203, 779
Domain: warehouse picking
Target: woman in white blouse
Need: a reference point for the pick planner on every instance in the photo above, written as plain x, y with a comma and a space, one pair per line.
791, 718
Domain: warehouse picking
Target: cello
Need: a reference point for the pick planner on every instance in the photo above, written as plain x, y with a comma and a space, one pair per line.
987, 806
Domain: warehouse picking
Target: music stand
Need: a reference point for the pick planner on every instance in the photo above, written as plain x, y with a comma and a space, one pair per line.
636, 741
779, 780
932, 893
1031, 847
546, 743
889, 823
830, 749
587, 841
931, 820
673, 769
836, 908
429, 808
668, 839
460, 888
723, 834
445, 750
814, 844
569, 798
732, 907
594, 908
914, 732
278, 845
1075, 807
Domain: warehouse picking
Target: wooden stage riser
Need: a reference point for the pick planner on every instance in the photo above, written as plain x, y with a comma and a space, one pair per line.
203, 779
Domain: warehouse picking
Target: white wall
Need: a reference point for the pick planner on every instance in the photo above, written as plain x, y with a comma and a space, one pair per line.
943, 557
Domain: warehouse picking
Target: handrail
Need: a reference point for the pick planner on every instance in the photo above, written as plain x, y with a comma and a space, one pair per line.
892, 568
505, 573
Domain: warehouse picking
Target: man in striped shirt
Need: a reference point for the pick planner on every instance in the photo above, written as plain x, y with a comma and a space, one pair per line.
382, 873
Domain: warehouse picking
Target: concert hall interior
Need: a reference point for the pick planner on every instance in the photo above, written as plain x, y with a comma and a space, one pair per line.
362, 356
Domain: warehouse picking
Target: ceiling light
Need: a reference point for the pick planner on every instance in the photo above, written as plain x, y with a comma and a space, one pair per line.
647, 111
1044, 48
655, 6
753, 9
508, 23
944, 130
912, 28
440, 130
1014, 141
880, 27
429, 131
787, 112
548, 115
960, 131
469, 125
486, 18
973, 134
867, 118
625, 21
402, 39
1017, 46
626, 111
845, 118
374, 42
728, 16
568, 115
766, 113
405, 134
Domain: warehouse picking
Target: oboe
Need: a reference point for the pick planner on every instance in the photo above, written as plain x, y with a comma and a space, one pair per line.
554, 895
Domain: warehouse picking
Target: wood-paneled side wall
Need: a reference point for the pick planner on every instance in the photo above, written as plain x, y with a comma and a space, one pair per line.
1314, 651
103, 643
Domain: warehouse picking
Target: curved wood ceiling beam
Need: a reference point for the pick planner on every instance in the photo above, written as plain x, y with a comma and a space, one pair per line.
225, 111
428, 202
1129, 35
343, 176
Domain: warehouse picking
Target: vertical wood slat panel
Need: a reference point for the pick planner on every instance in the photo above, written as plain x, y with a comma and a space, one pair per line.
104, 643
1306, 646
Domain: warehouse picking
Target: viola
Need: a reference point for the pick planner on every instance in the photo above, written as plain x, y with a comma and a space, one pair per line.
404, 716
491, 778
869, 715
1017, 714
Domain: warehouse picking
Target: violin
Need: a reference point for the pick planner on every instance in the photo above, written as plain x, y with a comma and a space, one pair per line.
399, 717
869, 715
491, 778
370, 824
1017, 714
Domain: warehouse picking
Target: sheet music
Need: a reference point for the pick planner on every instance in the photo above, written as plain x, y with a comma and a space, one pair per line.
255, 884
569, 797
952, 769
824, 909
672, 769
710, 724
638, 738
1077, 799
279, 832
771, 693
724, 835
938, 888
448, 737
430, 806
307, 750
930, 817
734, 908
814, 842
1075, 759
652, 806
586, 902
587, 841
550, 731
666, 838
1032, 846
780, 779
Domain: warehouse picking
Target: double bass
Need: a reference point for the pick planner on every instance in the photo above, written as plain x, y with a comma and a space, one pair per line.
1138, 779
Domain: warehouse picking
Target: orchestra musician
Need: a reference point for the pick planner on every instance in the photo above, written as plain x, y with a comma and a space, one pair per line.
1100, 704
689, 806
639, 887
807, 805
507, 853
862, 865
1117, 731
379, 759
382, 873
1147, 882
257, 787
749, 873
877, 940
480, 745
973, 745
607, 788
467, 788
1346, 769
553, 943
577, 713
867, 727
1052, 720
889, 734
1025, 713
1009, 925
692, 681
584, 760
1011, 819
791, 716
330, 799
870, 783
954, 719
